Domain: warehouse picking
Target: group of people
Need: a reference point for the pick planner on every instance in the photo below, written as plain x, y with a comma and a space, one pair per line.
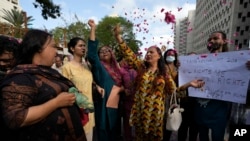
36, 102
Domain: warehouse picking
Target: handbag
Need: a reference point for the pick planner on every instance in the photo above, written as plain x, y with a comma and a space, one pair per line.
174, 117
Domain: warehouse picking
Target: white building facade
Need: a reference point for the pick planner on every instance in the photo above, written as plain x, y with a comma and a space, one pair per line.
229, 16
8, 5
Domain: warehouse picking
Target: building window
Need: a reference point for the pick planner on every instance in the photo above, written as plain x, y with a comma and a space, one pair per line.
245, 42
236, 42
245, 5
248, 14
242, 32
238, 29
243, 19
239, 15
241, 1
247, 28
240, 45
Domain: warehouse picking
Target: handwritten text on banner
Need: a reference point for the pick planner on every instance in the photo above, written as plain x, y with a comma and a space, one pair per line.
225, 74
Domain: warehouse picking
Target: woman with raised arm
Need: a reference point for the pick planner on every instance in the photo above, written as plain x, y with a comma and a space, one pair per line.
153, 84
106, 73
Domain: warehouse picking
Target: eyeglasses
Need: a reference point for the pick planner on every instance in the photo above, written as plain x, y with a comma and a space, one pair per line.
104, 51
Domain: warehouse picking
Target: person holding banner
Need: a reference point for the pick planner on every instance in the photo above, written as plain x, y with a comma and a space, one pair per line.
210, 113
153, 85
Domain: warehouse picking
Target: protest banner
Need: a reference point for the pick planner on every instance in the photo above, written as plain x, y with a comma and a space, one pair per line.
225, 74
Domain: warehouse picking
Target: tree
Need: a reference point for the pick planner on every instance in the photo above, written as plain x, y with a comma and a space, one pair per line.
105, 36
17, 21
49, 9
76, 29
16, 18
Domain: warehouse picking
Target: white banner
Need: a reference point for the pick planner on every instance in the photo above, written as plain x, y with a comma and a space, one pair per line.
225, 74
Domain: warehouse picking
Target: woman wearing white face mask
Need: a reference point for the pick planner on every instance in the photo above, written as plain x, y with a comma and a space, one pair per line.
172, 64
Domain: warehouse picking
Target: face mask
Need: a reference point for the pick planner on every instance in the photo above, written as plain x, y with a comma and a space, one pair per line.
170, 59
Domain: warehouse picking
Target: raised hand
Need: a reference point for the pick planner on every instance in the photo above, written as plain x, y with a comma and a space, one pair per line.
91, 23
117, 29
117, 32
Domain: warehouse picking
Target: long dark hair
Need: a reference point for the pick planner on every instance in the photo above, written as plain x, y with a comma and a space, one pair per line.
162, 72
32, 42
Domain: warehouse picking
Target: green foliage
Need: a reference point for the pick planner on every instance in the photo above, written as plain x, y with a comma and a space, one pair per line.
16, 18
104, 33
16, 22
76, 29
49, 9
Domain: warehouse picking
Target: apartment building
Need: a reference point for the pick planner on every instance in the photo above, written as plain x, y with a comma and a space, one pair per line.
184, 33
8, 5
230, 16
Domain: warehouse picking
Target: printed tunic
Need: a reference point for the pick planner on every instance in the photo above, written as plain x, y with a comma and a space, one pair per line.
149, 103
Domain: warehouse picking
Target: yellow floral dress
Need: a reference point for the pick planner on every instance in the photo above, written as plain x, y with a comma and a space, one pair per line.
82, 77
148, 110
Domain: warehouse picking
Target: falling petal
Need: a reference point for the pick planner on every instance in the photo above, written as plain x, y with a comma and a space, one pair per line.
223, 1
169, 18
179, 8
236, 47
215, 54
189, 29
235, 34
162, 10
203, 55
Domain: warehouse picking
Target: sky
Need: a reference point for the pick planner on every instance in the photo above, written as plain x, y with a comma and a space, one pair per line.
147, 16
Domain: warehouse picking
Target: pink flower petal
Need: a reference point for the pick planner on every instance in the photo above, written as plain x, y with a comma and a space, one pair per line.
215, 54
179, 8
162, 10
203, 55
169, 18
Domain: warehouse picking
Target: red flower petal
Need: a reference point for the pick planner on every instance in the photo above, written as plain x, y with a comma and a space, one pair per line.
162, 10
179, 8
169, 18
203, 55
